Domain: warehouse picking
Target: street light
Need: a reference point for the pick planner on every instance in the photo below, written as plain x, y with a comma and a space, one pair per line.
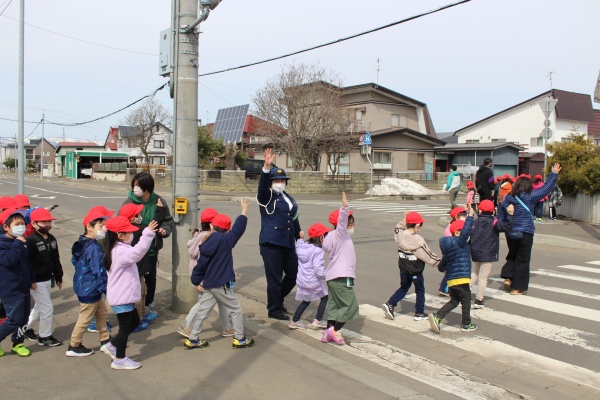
205, 6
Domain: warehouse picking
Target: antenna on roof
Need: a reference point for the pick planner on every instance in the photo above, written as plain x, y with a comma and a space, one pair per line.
378, 69
550, 78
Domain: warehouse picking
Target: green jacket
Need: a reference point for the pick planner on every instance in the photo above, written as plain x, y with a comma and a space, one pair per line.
450, 177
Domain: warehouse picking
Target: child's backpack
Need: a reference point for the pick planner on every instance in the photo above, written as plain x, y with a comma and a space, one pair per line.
409, 263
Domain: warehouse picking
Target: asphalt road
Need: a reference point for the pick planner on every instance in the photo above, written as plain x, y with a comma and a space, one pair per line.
524, 344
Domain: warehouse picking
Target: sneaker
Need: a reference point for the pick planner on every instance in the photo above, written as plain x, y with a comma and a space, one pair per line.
49, 341
109, 350
443, 293
183, 331
243, 342
325, 338
296, 325
195, 344
1, 351
434, 323
228, 332
420, 316
79, 351
108, 326
142, 326
319, 324
30, 334
92, 328
2, 320
478, 304
388, 309
506, 284
335, 336
517, 292
151, 310
125, 363
469, 327
149, 317
20, 350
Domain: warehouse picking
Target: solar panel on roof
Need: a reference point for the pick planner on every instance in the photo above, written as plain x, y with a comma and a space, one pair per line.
229, 124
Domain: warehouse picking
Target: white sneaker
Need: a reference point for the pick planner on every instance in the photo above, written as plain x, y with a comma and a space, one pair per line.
296, 325
319, 324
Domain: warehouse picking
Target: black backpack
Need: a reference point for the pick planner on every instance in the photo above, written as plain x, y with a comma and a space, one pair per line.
410, 264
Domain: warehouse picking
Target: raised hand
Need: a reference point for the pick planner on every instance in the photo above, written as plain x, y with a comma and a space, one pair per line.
269, 157
344, 200
244, 203
556, 168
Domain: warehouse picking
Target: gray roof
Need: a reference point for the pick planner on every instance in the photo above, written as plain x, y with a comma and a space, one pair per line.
478, 146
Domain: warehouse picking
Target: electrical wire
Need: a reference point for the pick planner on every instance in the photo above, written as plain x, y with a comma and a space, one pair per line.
447, 6
6, 8
81, 40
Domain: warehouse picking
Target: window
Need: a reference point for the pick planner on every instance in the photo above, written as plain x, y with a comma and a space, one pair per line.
498, 140
159, 144
597, 142
343, 167
416, 161
472, 141
566, 140
404, 121
399, 120
395, 120
382, 160
537, 142
290, 162
157, 160
358, 114
29, 154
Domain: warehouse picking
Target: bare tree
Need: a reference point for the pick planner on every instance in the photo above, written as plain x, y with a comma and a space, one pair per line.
301, 110
146, 122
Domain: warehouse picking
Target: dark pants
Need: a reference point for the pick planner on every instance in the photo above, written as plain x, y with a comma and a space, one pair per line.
281, 268
516, 267
128, 321
551, 212
405, 283
538, 209
458, 294
17, 315
150, 279
302, 307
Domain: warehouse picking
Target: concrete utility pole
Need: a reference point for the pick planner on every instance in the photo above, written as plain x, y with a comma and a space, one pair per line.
21, 105
185, 165
42, 151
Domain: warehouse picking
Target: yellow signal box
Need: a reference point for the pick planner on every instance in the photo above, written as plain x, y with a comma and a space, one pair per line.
181, 205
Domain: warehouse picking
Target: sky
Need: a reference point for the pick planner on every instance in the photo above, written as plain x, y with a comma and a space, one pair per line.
465, 63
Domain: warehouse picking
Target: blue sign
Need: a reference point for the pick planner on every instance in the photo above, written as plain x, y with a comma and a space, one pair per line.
367, 138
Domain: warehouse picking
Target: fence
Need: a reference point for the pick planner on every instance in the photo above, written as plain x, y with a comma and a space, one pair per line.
109, 167
581, 207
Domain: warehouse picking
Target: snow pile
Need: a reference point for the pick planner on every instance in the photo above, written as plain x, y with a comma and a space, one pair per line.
395, 187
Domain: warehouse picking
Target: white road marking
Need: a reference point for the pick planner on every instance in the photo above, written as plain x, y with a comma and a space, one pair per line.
557, 290
578, 268
545, 272
37, 196
593, 262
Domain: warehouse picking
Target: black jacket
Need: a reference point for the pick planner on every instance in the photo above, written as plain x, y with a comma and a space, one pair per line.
44, 257
485, 240
484, 182
164, 219
16, 274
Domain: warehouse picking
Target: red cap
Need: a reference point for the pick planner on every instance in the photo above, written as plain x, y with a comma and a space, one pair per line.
22, 201
469, 182
456, 226
333, 217
414, 218
222, 221
317, 230
130, 210
92, 216
514, 179
41, 214
208, 215
499, 177
470, 186
457, 210
7, 202
6, 214
538, 177
506, 176
102, 210
486, 206
120, 224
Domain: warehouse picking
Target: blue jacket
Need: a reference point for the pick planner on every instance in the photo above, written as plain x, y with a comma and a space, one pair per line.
215, 265
278, 224
89, 281
456, 259
485, 241
523, 218
16, 274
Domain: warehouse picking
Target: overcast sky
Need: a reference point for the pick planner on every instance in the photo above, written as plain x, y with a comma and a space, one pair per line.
466, 63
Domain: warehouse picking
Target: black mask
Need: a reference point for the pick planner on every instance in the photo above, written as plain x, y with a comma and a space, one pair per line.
44, 229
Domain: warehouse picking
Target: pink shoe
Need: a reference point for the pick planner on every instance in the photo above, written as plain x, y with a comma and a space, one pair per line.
339, 339
325, 338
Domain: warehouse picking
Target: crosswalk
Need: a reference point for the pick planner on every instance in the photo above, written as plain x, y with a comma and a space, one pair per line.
569, 332
389, 207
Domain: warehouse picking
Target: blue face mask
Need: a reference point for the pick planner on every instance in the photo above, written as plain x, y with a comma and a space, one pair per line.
18, 230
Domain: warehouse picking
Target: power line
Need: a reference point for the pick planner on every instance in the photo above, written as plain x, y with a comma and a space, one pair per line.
81, 40
6, 7
338, 40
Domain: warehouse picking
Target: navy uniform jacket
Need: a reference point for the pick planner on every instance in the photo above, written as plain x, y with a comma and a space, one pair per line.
278, 224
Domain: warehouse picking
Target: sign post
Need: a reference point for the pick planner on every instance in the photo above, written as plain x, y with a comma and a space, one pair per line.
547, 106
366, 142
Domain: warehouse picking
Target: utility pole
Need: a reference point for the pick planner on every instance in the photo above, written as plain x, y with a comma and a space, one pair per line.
42, 155
21, 124
185, 163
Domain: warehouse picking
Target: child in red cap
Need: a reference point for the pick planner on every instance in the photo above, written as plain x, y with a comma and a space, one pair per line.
206, 218
413, 254
214, 278
457, 213
311, 276
45, 260
123, 289
538, 208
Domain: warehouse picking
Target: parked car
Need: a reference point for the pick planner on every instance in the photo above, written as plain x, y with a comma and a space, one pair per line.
253, 168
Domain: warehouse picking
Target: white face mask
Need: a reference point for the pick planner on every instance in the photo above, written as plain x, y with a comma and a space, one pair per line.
18, 230
278, 187
350, 231
128, 241
99, 235
136, 220
137, 191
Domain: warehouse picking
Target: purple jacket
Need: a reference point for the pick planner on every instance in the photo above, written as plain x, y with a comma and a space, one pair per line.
339, 245
311, 267
123, 279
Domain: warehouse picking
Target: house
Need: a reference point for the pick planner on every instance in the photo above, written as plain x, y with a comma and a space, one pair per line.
47, 148
9, 151
112, 142
73, 157
523, 124
159, 141
594, 129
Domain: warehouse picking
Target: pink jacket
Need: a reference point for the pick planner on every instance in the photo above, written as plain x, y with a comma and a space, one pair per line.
470, 196
193, 246
538, 185
339, 245
123, 279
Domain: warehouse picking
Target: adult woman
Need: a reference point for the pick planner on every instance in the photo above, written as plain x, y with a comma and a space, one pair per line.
279, 230
155, 208
516, 269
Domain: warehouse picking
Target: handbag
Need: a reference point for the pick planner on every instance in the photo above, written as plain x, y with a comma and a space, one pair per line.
410, 264
516, 235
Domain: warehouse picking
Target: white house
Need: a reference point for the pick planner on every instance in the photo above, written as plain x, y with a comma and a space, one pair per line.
160, 146
523, 123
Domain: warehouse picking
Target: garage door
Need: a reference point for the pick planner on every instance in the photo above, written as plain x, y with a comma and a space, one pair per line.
504, 169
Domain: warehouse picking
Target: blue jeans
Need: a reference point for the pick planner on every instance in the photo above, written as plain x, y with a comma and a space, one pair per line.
538, 209
405, 282
17, 315
302, 307
444, 284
